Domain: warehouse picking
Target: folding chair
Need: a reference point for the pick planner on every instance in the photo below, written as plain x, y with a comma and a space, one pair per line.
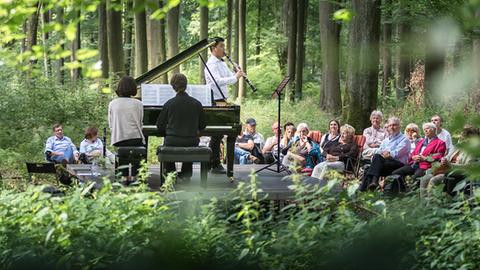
315, 135
42, 168
354, 163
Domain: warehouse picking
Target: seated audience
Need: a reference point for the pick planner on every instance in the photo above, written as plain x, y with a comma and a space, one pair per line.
290, 131
60, 148
392, 154
449, 166
337, 153
251, 129
91, 146
243, 150
302, 151
332, 136
374, 135
271, 144
413, 135
428, 149
442, 133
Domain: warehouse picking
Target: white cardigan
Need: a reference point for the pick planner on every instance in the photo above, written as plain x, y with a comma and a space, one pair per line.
125, 117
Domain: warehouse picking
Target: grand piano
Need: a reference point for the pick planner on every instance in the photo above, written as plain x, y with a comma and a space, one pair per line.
221, 120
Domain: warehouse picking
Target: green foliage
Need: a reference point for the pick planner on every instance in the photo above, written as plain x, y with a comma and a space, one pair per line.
323, 227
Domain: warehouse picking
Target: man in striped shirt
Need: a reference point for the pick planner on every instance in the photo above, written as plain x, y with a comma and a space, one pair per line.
60, 148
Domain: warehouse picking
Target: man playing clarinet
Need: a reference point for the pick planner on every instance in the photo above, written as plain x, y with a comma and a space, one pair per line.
222, 76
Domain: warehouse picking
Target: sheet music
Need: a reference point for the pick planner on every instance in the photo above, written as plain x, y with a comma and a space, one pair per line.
159, 94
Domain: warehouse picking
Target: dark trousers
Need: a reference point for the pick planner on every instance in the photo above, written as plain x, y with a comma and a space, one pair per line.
451, 182
180, 141
408, 170
215, 146
269, 157
379, 167
135, 165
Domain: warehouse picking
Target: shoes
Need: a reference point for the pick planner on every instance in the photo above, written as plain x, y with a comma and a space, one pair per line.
254, 159
218, 169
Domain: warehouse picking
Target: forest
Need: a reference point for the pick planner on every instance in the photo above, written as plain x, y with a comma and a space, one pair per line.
61, 61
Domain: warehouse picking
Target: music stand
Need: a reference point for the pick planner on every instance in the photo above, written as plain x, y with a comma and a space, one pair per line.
277, 93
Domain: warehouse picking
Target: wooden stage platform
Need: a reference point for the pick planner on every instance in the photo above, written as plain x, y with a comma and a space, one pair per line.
276, 185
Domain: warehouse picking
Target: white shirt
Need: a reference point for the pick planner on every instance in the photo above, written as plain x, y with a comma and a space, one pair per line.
222, 75
88, 147
445, 136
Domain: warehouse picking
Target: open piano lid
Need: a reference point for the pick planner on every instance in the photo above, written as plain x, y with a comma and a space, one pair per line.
173, 62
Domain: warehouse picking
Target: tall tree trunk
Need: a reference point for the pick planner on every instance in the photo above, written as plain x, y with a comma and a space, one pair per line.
76, 45
172, 29
292, 49
45, 36
330, 95
235, 45
115, 44
258, 32
403, 54
203, 35
362, 83
161, 41
156, 41
230, 9
32, 31
23, 45
242, 45
102, 38
476, 64
153, 38
141, 49
61, 60
301, 28
282, 29
386, 53
129, 52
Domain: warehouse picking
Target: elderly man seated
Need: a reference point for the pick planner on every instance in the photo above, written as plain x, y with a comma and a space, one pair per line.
392, 154
428, 149
442, 133
374, 135
59, 148
258, 140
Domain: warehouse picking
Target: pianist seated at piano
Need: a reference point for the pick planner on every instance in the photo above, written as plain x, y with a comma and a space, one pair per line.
180, 122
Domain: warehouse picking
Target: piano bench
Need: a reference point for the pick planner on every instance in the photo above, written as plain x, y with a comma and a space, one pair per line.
130, 155
185, 154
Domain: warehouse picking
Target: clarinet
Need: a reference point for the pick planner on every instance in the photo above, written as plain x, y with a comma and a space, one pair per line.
236, 67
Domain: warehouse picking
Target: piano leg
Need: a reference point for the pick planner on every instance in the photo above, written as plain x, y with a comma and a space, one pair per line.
230, 154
